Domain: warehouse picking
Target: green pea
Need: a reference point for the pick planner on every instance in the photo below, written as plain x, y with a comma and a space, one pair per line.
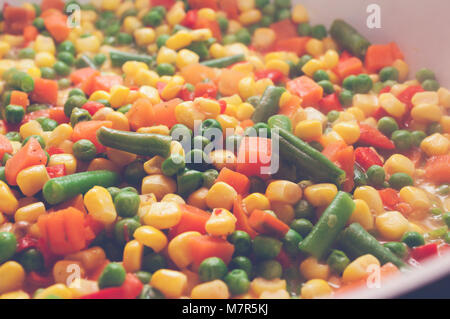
212, 268
74, 101
303, 60
400, 180
161, 10
13, 136
418, 137
113, 191
265, 247
319, 31
388, 73
363, 84
64, 83
47, 124
5, 158
104, 102
14, 113
134, 172
387, 125
269, 269
260, 4
446, 218
152, 19
99, 59
124, 230
282, 14
61, 68
39, 23
321, 75
223, 24
425, 74
346, 97
84, 150
153, 262
8, 243
413, 239
127, 204
149, 292
266, 21
435, 211
26, 53
173, 164
200, 49
113, 275
109, 40
197, 160
32, 260
76, 91
79, 115
333, 116
125, 109
302, 226
243, 36
431, 85
376, 175
241, 262
36, 137
129, 13
242, 242
303, 209
48, 73
211, 129
144, 276
349, 82
402, 139
269, 9
209, 177
237, 282
124, 38
161, 40
165, 69
338, 261
434, 128
291, 241
111, 30
66, 57
327, 86
304, 29
286, 4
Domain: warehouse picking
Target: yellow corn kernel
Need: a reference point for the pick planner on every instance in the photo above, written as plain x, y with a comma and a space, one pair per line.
330, 59
391, 225
132, 256
392, 105
426, 113
19, 294
31, 128
176, 148
59, 290
250, 17
178, 249
371, 197
207, 13
256, 201
32, 179
349, 131
299, 14
244, 111
315, 47
13, 276
263, 38
366, 102
186, 57
171, 283
227, 122
221, 195
144, 36
222, 158
209, 107
357, 113
360, 268
30, 213
217, 51
88, 44
90, 259
119, 121
284, 191
187, 114
402, 68
63, 271
103, 164
80, 287
44, 59
119, 94
436, 144
110, 5
162, 215
320, 194
399, 163
173, 198
221, 223
146, 200
100, 206
132, 67
131, 23
425, 98
309, 130
151, 93
176, 14
179, 40
284, 99
100, 95
247, 87
216, 289
310, 268
444, 97
159, 185
362, 215
153, 165
316, 288
198, 198
201, 34
120, 158
34, 72
312, 66
244, 67
279, 65
61, 133
69, 161
260, 285
151, 237
166, 55
4, 48
44, 44
8, 202
415, 197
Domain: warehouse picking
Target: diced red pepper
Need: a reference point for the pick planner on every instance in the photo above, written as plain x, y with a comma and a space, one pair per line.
186, 95
407, 94
223, 106
26, 242
230, 7
366, 157
330, 103
266, 223
389, 197
381, 55
208, 90
56, 170
386, 89
190, 19
423, 252
254, 156
130, 289
92, 107
373, 137
272, 74
52, 150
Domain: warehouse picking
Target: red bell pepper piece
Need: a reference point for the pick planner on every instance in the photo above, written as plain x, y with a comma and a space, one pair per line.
52, 150
437, 169
386, 89
306, 88
208, 90
192, 219
223, 106
56, 170
186, 95
130, 289
254, 156
422, 252
268, 224
190, 19
26, 243
45, 91
407, 94
330, 103
366, 157
202, 247
389, 197
382, 55
346, 161
373, 137
92, 107
351, 66
242, 218
275, 75
238, 181
295, 44
230, 7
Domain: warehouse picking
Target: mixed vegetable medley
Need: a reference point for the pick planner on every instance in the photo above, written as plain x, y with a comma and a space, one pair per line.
137, 139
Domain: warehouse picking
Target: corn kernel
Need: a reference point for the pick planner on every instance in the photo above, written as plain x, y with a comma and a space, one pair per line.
8, 202
100, 206
349, 131
216, 289
201, 34
88, 44
217, 51
260, 285
320, 194
69, 161
415, 197
223, 158
221, 223
221, 195
309, 130
399, 163
250, 17
371, 197
312, 66
362, 215
32, 179
198, 198
360, 268
144, 36
366, 102
13, 276
80, 287
207, 13
187, 114
186, 57
110, 5
162, 215
59, 290
151, 237
402, 68
284, 191
392, 105
316, 288
132, 256
280, 65
159, 185
426, 113
256, 201
4, 48
179, 40
244, 111
171, 283
179, 251
315, 47
19, 294
44, 44
391, 225
310, 268
444, 97
436, 144
176, 15
44, 59
247, 87
299, 14
330, 59
263, 38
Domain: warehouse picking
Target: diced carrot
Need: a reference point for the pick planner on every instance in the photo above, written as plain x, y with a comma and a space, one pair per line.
242, 218
30, 33
268, 224
284, 29
382, 55
202, 247
229, 82
389, 197
296, 45
165, 112
246, 123
230, 7
238, 181
56, 25
307, 89
105, 82
16, 19
199, 4
346, 161
88, 130
19, 98
45, 91
74, 226
291, 106
332, 149
196, 73
351, 66
5, 145
396, 52
82, 74
141, 114
57, 114
52, 4
437, 169
76, 202
254, 156
192, 219
30, 154
212, 25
